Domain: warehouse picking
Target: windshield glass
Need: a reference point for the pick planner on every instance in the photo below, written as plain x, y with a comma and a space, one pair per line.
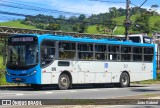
135, 39
22, 56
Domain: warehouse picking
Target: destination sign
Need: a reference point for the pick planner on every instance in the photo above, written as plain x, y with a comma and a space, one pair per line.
22, 39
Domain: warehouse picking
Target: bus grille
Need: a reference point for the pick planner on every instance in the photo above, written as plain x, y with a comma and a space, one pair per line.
21, 80
22, 75
19, 74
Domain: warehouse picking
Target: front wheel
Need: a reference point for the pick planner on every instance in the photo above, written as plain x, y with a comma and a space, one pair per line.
64, 82
124, 80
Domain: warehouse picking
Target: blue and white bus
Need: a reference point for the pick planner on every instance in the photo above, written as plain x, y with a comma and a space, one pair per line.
65, 60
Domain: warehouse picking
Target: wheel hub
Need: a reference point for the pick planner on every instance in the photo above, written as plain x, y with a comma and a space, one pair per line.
63, 81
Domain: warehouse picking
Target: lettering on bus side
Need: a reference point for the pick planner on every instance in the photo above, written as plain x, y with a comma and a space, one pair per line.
125, 65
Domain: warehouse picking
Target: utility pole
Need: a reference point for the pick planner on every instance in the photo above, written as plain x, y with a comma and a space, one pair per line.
127, 21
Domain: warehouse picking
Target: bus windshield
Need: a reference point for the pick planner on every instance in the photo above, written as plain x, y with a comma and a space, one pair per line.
22, 56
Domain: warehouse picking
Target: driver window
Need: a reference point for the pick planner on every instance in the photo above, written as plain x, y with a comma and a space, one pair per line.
47, 52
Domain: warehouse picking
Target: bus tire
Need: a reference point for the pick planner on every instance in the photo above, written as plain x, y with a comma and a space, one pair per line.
64, 82
36, 86
124, 80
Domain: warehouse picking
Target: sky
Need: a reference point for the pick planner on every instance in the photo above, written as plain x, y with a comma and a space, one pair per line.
64, 7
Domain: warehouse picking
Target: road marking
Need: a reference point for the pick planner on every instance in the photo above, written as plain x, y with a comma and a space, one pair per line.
94, 90
19, 94
49, 92
73, 91
6, 93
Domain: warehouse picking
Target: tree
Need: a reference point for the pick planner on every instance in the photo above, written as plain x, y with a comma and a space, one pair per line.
62, 17
142, 23
154, 9
79, 27
154, 6
157, 25
98, 27
76, 27
53, 27
113, 12
82, 17
110, 24
121, 12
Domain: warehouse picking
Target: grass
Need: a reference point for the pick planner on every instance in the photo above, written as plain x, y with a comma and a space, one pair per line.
16, 23
120, 30
154, 19
157, 81
92, 30
2, 67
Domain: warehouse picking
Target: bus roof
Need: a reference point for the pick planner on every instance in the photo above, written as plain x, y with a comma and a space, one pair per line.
138, 35
85, 39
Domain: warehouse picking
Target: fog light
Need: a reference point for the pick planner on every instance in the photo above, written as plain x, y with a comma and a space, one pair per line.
34, 71
8, 73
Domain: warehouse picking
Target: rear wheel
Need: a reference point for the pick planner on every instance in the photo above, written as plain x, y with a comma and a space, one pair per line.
64, 82
36, 86
124, 80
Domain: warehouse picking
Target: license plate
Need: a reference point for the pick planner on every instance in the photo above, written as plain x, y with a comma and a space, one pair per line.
18, 79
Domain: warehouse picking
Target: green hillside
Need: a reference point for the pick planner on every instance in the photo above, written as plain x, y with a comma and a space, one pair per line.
16, 23
120, 29
93, 30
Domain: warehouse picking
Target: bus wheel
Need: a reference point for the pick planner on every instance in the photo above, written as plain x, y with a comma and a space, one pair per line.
64, 82
124, 80
36, 86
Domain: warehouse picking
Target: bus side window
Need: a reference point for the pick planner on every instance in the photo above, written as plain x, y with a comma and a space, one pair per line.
126, 53
67, 50
137, 53
85, 51
113, 52
100, 52
148, 53
47, 52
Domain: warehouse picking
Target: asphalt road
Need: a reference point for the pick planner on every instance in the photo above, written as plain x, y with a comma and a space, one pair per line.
78, 92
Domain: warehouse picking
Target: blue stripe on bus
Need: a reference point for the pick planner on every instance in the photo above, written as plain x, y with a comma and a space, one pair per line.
34, 79
154, 64
85, 39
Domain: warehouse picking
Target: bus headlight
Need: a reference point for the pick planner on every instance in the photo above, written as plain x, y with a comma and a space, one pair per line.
32, 73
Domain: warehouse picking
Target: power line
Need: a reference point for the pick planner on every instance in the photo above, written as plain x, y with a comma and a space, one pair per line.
31, 3
107, 1
29, 7
15, 14
39, 9
138, 8
35, 8
133, 4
